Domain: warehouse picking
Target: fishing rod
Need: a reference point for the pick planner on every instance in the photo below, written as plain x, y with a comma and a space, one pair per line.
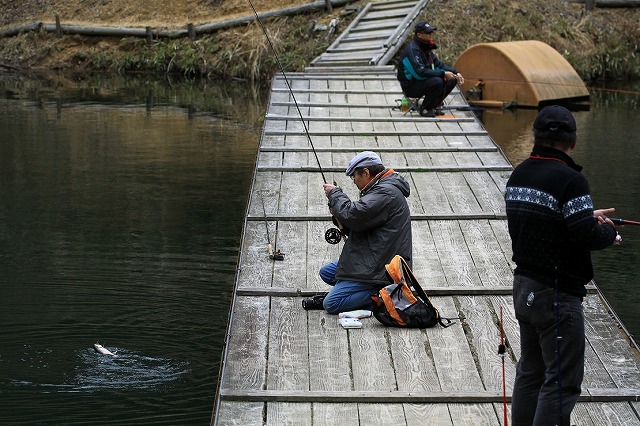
624, 222
277, 255
286, 80
333, 235
502, 350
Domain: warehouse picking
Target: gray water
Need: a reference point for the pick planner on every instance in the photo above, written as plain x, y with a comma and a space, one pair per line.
121, 208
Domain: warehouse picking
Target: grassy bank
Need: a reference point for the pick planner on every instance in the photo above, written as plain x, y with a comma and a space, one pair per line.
601, 44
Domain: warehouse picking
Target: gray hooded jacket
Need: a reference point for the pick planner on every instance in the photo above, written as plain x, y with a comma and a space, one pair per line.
380, 227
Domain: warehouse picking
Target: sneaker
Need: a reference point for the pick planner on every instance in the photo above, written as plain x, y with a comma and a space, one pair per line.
430, 112
439, 111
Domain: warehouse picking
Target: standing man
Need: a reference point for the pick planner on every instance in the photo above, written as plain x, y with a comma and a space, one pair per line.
421, 73
379, 226
553, 229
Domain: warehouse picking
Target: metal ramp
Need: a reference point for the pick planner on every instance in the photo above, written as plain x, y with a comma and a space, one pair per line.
374, 36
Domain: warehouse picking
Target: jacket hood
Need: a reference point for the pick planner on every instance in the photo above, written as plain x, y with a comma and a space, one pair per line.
398, 181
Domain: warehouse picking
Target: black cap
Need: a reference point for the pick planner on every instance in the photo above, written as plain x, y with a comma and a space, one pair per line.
555, 118
424, 27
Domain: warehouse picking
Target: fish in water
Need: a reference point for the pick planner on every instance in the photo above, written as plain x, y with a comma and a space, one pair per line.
102, 350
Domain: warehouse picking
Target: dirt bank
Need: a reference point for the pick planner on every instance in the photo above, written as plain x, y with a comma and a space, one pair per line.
599, 44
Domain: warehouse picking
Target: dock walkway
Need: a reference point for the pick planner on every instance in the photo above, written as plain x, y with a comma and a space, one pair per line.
285, 365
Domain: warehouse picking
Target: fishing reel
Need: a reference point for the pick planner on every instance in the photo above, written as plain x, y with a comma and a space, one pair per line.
335, 235
275, 255
278, 255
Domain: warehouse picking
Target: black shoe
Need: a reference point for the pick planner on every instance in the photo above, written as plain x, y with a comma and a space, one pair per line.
439, 111
428, 112
314, 302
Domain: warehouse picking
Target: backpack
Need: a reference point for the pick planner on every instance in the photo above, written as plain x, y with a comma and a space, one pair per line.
397, 306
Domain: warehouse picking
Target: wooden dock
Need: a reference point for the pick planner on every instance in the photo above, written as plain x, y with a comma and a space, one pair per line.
285, 365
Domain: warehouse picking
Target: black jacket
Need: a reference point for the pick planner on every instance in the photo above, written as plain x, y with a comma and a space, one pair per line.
380, 227
419, 62
551, 223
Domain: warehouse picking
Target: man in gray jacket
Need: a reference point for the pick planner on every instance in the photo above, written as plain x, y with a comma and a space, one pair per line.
379, 227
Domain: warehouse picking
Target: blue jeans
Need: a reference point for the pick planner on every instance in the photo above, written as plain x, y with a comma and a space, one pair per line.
345, 296
536, 397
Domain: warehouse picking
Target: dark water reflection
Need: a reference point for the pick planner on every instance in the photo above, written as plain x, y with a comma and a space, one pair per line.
609, 150
121, 207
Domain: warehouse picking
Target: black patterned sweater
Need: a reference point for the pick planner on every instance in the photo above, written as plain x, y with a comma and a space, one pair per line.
551, 222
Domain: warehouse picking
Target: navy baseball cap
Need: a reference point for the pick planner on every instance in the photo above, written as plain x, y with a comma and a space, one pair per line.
555, 118
363, 159
424, 27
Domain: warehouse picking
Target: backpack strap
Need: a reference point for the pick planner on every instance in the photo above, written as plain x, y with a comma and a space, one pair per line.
411, 281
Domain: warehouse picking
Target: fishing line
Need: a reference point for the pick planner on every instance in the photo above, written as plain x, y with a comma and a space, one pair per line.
629, 92
333, 235
277, 255
286, 79
502, 80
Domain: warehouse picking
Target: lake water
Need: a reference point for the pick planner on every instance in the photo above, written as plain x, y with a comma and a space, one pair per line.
121, 208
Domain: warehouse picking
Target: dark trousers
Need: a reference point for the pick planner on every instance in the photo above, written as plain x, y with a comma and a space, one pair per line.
549, 338
434, 90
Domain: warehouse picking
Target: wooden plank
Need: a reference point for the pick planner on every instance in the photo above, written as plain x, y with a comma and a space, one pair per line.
473, 414
459, 192
335, 414
510, 324
329, 368
443, 396
437, 414
380, 414
287, 413
501, 232
370, 360
414, 217
256, 269
613, 413
488, 257
426, 263
246, 350
608, 343
454, 363
454, 256
342, 91
235, 413
288, 366
291, 272
490, 197
482, 323
432, 291
413, 364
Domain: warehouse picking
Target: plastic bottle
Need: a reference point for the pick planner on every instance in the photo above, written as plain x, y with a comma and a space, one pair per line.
404, 104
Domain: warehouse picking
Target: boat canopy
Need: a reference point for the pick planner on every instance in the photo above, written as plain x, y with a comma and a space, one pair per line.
522, 73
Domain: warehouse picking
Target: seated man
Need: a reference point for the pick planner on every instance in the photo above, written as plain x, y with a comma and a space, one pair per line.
379, 225
421, 73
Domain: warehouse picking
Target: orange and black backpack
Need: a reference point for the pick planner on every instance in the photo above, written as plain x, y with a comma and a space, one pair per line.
397, 306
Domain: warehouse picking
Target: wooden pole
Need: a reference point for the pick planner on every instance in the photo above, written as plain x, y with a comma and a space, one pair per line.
58, 27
